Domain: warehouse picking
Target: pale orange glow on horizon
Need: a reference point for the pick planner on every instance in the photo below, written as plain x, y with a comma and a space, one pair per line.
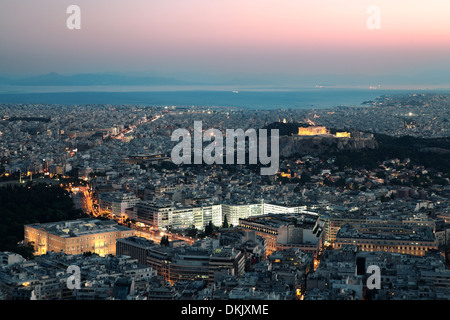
213, 35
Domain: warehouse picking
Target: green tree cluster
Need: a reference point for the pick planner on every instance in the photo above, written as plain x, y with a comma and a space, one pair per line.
27, 204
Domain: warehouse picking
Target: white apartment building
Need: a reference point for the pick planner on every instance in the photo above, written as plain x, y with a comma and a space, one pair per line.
161, 215
244, 211
167, 215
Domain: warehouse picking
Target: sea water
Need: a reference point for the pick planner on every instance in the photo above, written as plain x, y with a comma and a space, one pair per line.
248, 98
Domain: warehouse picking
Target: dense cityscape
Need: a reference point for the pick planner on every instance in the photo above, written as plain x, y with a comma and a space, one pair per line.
356, 187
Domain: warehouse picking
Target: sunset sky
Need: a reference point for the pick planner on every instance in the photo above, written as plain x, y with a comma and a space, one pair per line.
302, 37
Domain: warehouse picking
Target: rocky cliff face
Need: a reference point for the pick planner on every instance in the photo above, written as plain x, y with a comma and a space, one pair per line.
313, 145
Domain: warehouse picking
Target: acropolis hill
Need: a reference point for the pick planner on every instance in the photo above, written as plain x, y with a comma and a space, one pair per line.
316, 139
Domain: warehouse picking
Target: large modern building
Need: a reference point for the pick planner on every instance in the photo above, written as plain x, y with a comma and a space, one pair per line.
234, 212
176, 264
286, 231
184, 263
116, 203
332, 225
225, 258
135, 247
398, 238
76, 236
164, 215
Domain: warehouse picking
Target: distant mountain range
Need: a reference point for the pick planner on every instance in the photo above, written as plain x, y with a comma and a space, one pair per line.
89, 79
431, 77
93, 79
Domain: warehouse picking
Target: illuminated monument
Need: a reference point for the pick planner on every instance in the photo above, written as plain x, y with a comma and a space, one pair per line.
312, 131
311, 139
343, 134
320, 130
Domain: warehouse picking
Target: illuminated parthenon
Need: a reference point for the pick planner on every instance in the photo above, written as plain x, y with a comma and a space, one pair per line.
320, 130
312, 131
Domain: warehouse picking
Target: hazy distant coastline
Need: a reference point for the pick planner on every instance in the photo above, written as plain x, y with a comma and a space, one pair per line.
250, 98
242, 92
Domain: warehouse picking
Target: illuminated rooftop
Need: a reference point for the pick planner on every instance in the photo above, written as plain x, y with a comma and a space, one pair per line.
79, 227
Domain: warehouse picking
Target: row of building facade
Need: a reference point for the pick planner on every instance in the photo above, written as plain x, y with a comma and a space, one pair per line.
164, 214
307, 232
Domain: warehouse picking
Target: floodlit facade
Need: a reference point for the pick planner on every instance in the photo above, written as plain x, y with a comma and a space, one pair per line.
312, 131
320, 130
76, 236
179, 217
236, 212
343, 135
243, 211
